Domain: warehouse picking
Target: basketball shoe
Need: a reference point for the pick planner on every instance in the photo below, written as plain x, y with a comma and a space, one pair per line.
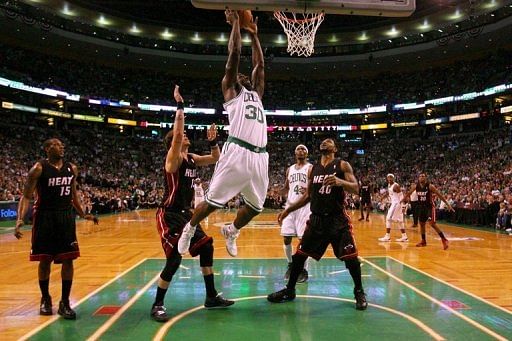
422, 243
158, 313
303, 276
46, 306
386, 238
360, 296
231, 236
217, 302
445, 243
402, 239
66, 311
281, 296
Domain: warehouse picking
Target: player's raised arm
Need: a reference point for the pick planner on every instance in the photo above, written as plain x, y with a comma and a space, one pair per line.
30, 186
173, 158
258, 62
235, 49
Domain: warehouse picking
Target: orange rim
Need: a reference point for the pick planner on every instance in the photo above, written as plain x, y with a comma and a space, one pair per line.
298, 21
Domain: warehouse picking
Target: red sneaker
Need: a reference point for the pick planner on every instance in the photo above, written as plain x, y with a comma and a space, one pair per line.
445, 243
422, 244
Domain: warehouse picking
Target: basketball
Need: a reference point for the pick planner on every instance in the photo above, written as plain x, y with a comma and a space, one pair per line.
245, 18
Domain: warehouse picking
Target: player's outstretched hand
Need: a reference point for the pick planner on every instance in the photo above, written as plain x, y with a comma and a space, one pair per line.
93, 218
252, 27
211, 134
17, 232
231, 16
177, 95
281, 216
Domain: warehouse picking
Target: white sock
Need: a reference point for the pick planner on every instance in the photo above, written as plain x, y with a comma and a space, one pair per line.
233, 229
288, 250
306, 264
388, 224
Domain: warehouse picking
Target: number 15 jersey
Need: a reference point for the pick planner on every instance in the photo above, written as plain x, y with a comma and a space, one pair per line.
247, 120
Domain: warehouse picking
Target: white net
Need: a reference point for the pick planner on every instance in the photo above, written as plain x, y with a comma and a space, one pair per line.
300, 28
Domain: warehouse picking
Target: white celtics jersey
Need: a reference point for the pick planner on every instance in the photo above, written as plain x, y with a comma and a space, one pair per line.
198, 191
298, 182
394, 196
247, 120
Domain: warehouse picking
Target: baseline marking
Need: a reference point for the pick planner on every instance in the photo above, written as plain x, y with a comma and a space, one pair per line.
453, 286
165, 328
441, 304
100, 331
85, 298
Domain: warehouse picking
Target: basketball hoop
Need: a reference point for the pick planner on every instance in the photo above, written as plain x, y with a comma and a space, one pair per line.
300, 29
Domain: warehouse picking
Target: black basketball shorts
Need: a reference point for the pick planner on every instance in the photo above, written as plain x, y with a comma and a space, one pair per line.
426, 213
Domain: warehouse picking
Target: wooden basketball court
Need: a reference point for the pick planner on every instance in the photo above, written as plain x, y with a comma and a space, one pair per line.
425, 293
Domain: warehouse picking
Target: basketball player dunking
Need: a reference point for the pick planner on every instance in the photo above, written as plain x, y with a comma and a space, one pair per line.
54, 229
426, 207
243, 164
179, 171
294, 224
329, 223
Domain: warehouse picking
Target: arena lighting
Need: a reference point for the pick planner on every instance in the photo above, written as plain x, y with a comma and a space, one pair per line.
102, 21
434, 121
408, 106
55, 113
67, 11
196, 37
121, 122
456, 15
166, 34
505, 110
363, 36
464, 117
405, 124
392, 32
222, 38
439, 101
135, 29
374, 126
88, 118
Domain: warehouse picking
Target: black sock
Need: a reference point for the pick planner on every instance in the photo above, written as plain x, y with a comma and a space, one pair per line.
423, 237
43, 285
441, 234
297, 267
354, 268
160, 294
66, 289
209, 285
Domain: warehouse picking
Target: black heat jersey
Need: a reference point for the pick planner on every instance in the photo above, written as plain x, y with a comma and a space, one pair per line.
54, 191
178, 186
364, 193
327, 200
424, 195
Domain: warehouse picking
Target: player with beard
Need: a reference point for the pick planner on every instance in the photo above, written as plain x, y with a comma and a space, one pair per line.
329, 223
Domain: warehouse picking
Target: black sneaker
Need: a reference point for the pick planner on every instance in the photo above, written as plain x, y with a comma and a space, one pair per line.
217, 302
281, 296
158, 313
66, 311
287, 274
360, 297
303, 276
46, 306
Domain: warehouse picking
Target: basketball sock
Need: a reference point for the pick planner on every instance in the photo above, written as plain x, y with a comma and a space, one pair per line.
354, 267
209, 285
441, 234
306, 264
160, 295
288, 252
388, 225
232, 228
66, 289
43, 285
423, 237
297, 267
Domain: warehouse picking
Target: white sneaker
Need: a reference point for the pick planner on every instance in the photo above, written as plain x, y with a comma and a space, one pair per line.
230, 240
508, 230
403, 239
386, 238
185, 238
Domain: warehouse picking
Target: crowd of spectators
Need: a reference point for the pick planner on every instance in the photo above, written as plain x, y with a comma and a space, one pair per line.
152, 86
119, 173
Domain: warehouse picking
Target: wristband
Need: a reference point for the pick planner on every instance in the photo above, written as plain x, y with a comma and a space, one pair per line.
180, 106
214, 143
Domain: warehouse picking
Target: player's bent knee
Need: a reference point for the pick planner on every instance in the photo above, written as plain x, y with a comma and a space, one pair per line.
287, 240
171, 266
352, 262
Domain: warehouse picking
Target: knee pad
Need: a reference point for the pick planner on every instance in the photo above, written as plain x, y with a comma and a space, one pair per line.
206, 254
171, 266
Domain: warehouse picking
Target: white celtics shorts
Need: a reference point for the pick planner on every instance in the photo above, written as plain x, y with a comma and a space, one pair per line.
239, 170
295, 223
395, 212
